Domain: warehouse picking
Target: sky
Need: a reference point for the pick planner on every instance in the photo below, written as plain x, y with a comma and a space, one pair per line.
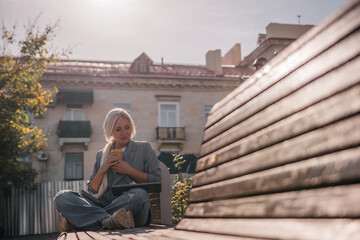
179, 31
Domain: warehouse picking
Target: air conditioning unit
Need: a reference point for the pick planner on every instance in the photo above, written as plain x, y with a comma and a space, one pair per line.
42, 156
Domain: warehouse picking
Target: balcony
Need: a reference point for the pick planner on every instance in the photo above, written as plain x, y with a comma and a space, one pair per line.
170, 138
74, 132
170, 133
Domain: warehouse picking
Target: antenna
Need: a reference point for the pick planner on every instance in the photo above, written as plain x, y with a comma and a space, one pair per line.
299, 16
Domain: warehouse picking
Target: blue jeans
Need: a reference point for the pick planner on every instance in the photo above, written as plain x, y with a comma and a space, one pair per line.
85, 214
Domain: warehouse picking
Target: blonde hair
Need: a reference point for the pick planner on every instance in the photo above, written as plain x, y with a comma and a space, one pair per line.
110, 121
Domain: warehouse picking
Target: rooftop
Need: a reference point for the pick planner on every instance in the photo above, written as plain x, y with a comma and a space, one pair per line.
110, 67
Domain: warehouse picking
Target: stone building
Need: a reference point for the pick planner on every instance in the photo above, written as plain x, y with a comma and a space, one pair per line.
278, 36
168, 102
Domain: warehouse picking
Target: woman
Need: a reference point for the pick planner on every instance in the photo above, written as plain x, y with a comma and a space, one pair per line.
99, 207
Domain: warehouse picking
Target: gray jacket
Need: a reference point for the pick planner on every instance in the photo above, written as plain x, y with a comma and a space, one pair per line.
139, 155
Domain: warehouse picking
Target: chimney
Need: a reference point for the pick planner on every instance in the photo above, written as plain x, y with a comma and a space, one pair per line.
214, 61
233, 56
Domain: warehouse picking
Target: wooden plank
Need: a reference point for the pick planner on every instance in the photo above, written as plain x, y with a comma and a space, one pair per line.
265, 110
304, 229
284, 130
71, 236
340, 201
113, 235
187, 235
327, 170
104, 235
62, 236
161, 234
299, 52
83, 236
302, 147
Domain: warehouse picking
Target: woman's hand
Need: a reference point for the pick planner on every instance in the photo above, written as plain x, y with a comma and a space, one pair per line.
96, 182
110, 161
120, 166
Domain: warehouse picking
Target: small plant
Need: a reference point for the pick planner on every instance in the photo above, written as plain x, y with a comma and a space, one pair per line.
179, 162
180, 191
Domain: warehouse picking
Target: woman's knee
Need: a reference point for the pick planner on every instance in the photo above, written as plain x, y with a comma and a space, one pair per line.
139, 193
63, 196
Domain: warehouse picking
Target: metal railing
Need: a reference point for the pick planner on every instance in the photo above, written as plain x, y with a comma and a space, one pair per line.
74, 129
170, 133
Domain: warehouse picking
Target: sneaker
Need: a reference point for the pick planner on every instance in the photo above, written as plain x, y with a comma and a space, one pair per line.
120, 220
64, 225
108, 223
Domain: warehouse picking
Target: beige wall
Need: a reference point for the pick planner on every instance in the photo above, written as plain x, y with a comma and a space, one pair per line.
144, 110
233, 56
277, 30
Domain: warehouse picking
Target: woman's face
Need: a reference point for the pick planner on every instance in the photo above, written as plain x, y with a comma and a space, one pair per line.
122, 132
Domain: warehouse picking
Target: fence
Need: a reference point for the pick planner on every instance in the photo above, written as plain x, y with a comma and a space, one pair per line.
27, 212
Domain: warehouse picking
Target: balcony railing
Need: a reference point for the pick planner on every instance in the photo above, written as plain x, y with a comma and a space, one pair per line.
74, 132
170, 133
74, 129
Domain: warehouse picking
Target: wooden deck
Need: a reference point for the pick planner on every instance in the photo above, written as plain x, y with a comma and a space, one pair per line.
153, 232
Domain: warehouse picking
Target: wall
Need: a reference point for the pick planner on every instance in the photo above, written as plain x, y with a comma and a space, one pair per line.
144, 110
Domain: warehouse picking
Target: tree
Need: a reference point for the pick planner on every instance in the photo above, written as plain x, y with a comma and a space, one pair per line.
22, 63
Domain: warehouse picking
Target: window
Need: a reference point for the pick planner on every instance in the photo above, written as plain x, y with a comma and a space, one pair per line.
74, 112
143, 68
207, 109
74, 162
168, 114
125, 106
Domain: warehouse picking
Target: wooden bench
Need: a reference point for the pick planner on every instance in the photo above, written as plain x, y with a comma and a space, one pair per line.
280, 157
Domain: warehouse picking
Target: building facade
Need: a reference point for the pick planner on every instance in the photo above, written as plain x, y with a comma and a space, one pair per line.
277, 37
168, 102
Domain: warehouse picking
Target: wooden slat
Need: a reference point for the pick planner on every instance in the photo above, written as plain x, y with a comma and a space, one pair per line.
186, 235
160, 234
340, 201
106, 235
312, 43
334, 168
305, 146
284, 130
62, 236
309, 229
83, 236
70, 236
253, 118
